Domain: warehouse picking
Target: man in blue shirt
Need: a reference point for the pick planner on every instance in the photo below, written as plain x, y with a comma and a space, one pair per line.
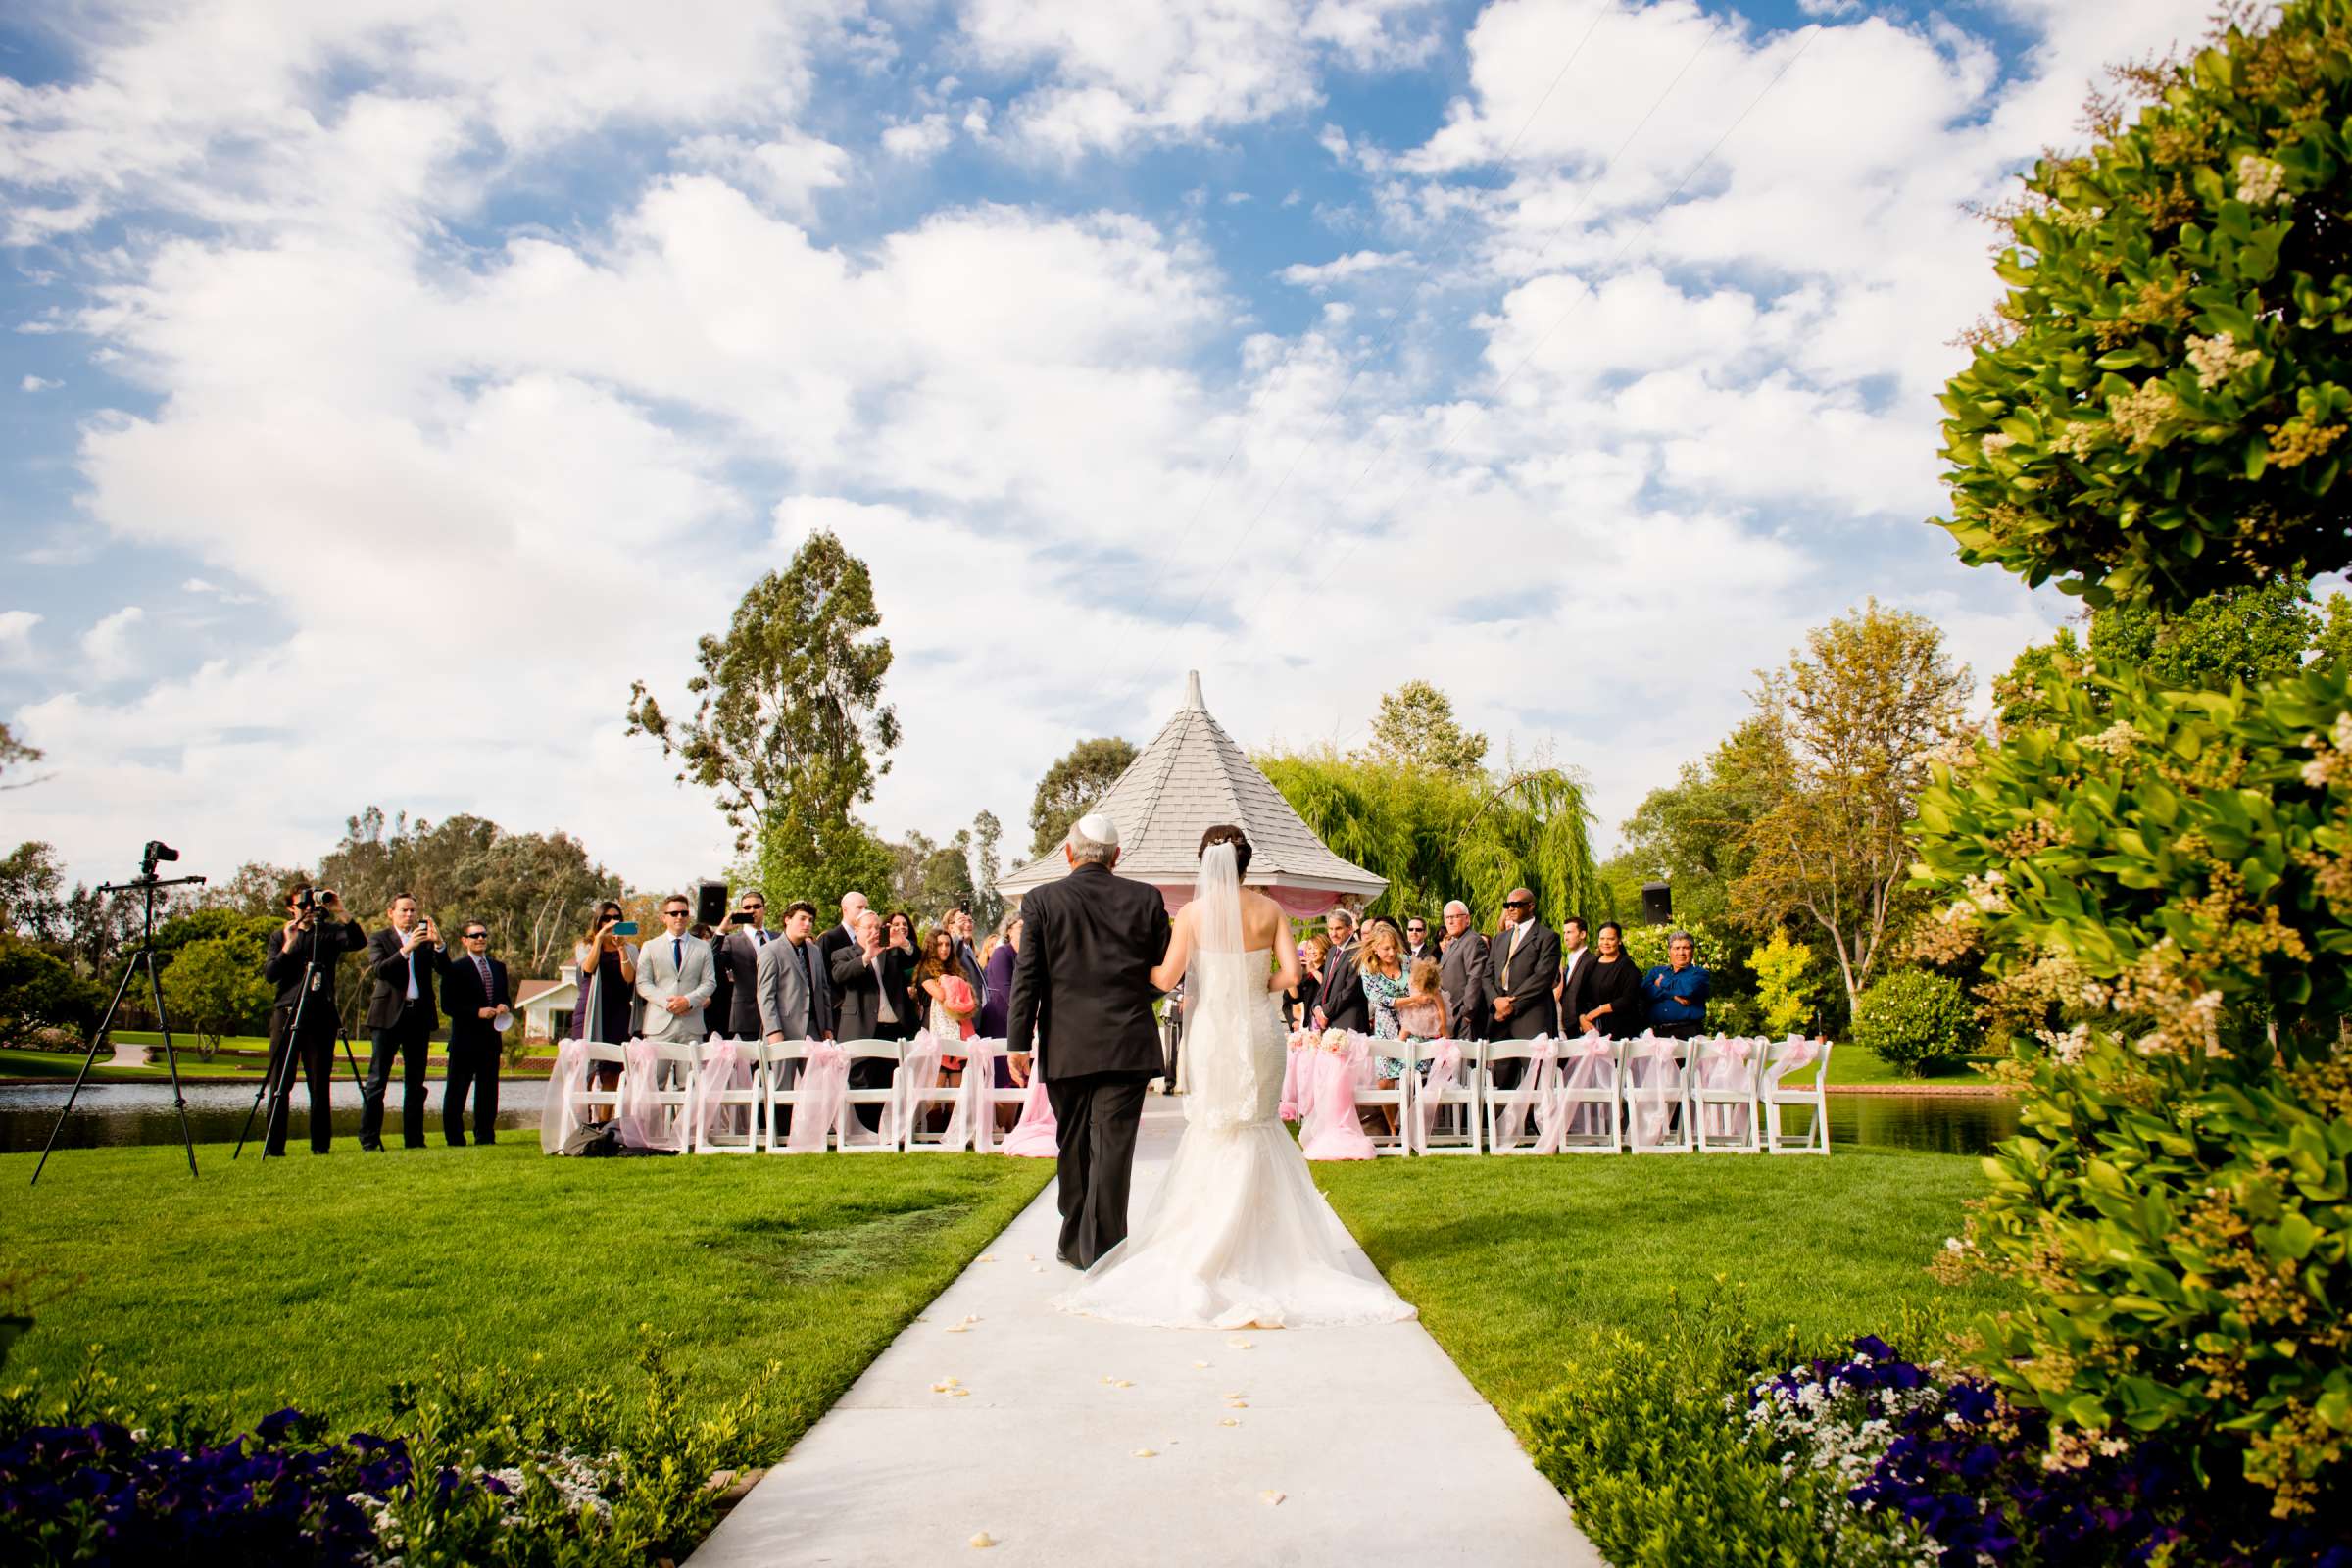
1677, 991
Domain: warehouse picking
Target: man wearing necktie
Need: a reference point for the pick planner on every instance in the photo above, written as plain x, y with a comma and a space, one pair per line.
739, 949
402, 961
675, 976
1523, 965
473, 988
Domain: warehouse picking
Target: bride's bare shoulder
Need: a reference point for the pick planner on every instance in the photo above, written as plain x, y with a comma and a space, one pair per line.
1261, 916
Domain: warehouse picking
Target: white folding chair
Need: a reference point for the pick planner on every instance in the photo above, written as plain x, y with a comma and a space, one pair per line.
1657, 1104
1369, 1096
1448, 1105
985, 1096
884, 1139
731, 1100
1789, 1055
914, 1104
1590, 1096
595, 1053
1533, 1091
1725, 1075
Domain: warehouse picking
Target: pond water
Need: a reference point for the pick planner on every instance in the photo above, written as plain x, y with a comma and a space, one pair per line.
141, 1113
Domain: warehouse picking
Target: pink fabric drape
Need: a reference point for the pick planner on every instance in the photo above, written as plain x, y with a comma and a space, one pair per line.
1653, 1093
1301, 1043
1587, 1065
917, 1076
728, 1066
1535, 1094
1035, 1136
555, 1121
1445, 1071
1327, 1105
646, 1120
823, 1089
1793, 1052
1729, 1063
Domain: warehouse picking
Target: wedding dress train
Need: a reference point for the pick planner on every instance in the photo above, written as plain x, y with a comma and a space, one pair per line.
1237, 1236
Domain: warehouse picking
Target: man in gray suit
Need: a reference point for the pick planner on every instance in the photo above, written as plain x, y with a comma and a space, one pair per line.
740, 951
676, 976
796, 1000
1462, 975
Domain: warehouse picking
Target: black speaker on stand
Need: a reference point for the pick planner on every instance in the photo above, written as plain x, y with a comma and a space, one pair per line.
710, 902
1657, 903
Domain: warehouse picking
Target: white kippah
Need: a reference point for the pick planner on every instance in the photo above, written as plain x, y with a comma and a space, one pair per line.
1097, 828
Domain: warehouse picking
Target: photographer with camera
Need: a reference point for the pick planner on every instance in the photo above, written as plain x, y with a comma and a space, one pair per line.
404, 959
303, 953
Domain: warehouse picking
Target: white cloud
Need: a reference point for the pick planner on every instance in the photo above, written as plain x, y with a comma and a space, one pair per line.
107, 649
1353, 265
16, 637
37, 384
920, 140
788, 169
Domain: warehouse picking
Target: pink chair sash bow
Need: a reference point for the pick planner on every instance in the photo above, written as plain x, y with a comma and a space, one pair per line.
1035, 1136
1587, 1065
918, 1075
1326, 1087
1654, 1069
823, 1088
555, 1121
727, 1066
1536, 1094
647, 1122
1445, 1071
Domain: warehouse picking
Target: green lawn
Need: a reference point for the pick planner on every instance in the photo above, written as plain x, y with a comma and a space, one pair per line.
1517, 1264
1850, 1064
17, 1062
314, 1282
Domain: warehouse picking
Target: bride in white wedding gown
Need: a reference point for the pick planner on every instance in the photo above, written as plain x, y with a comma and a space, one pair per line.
1237, 1237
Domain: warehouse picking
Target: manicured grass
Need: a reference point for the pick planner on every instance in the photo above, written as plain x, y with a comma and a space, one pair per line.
1519, 1265
17, 1062
316, 1282
1850, 1064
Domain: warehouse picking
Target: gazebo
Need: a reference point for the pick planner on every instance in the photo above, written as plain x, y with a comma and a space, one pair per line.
1188, 780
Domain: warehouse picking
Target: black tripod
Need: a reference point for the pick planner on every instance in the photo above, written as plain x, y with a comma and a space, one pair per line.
282, 1072
148, 886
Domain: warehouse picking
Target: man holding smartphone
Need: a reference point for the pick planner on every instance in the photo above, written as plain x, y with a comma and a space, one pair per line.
403, 961
739, 952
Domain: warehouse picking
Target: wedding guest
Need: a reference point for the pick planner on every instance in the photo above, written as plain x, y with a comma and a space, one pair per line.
844, 935
995, 997
967, 957
473, 988
607, 984
1382, 974
1342, 1002
1300, 1009
898, 932
795, 988
1677, 991
403, 961
1611, 995
1523, 964
1418, 945
302, 959
870, 983
1576, 965
746, 934
1462, 974
676, 976
946, 1013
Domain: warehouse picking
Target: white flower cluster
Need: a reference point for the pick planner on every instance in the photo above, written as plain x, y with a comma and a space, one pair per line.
1980, 895
2260, 180
1996, 443
1842, 1432
2115, 739
2079, 438
577, 1480
2218, 358
2070, 1047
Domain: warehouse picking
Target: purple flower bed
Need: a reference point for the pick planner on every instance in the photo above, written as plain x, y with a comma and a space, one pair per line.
1936, 1468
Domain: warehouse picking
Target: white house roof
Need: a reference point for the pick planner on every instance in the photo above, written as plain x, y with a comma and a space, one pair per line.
1188, 780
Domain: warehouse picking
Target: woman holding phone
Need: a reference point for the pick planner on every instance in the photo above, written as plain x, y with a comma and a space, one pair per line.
607, 970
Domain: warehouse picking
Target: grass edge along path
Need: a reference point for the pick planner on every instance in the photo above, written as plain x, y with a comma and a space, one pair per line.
317, 1283
1519, 1266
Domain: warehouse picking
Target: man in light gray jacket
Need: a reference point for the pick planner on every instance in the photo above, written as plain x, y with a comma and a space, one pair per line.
796, 998
676, 976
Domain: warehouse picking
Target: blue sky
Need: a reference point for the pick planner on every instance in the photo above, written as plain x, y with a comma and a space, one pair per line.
387, 384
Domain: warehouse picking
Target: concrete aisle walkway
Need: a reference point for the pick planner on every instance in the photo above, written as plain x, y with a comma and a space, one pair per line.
1380, 1449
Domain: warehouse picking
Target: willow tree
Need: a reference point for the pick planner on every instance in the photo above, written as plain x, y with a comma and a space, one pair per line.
1437, 834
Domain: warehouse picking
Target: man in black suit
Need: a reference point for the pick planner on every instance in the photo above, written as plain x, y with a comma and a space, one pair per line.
739, 955
1462, 975
320, 930
1576, 975
1082, 988
473, 988
871, 982
844, 935
402, 960
1523, 964
1341, 1004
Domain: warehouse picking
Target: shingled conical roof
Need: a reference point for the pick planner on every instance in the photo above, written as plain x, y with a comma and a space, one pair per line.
1188, 780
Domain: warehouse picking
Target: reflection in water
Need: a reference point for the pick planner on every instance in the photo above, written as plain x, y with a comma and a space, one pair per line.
141, 1113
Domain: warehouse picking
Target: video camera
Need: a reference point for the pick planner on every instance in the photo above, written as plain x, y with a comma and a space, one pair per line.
156, 849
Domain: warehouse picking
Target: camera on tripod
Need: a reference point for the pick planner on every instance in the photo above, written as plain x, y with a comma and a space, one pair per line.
156, 849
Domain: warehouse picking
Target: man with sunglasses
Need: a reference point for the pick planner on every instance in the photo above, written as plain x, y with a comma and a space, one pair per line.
739, 949
473, 992
676, 976
1418, 945
1523, 964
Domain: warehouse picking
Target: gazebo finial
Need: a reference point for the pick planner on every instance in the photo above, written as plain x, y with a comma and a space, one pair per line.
1192, 691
